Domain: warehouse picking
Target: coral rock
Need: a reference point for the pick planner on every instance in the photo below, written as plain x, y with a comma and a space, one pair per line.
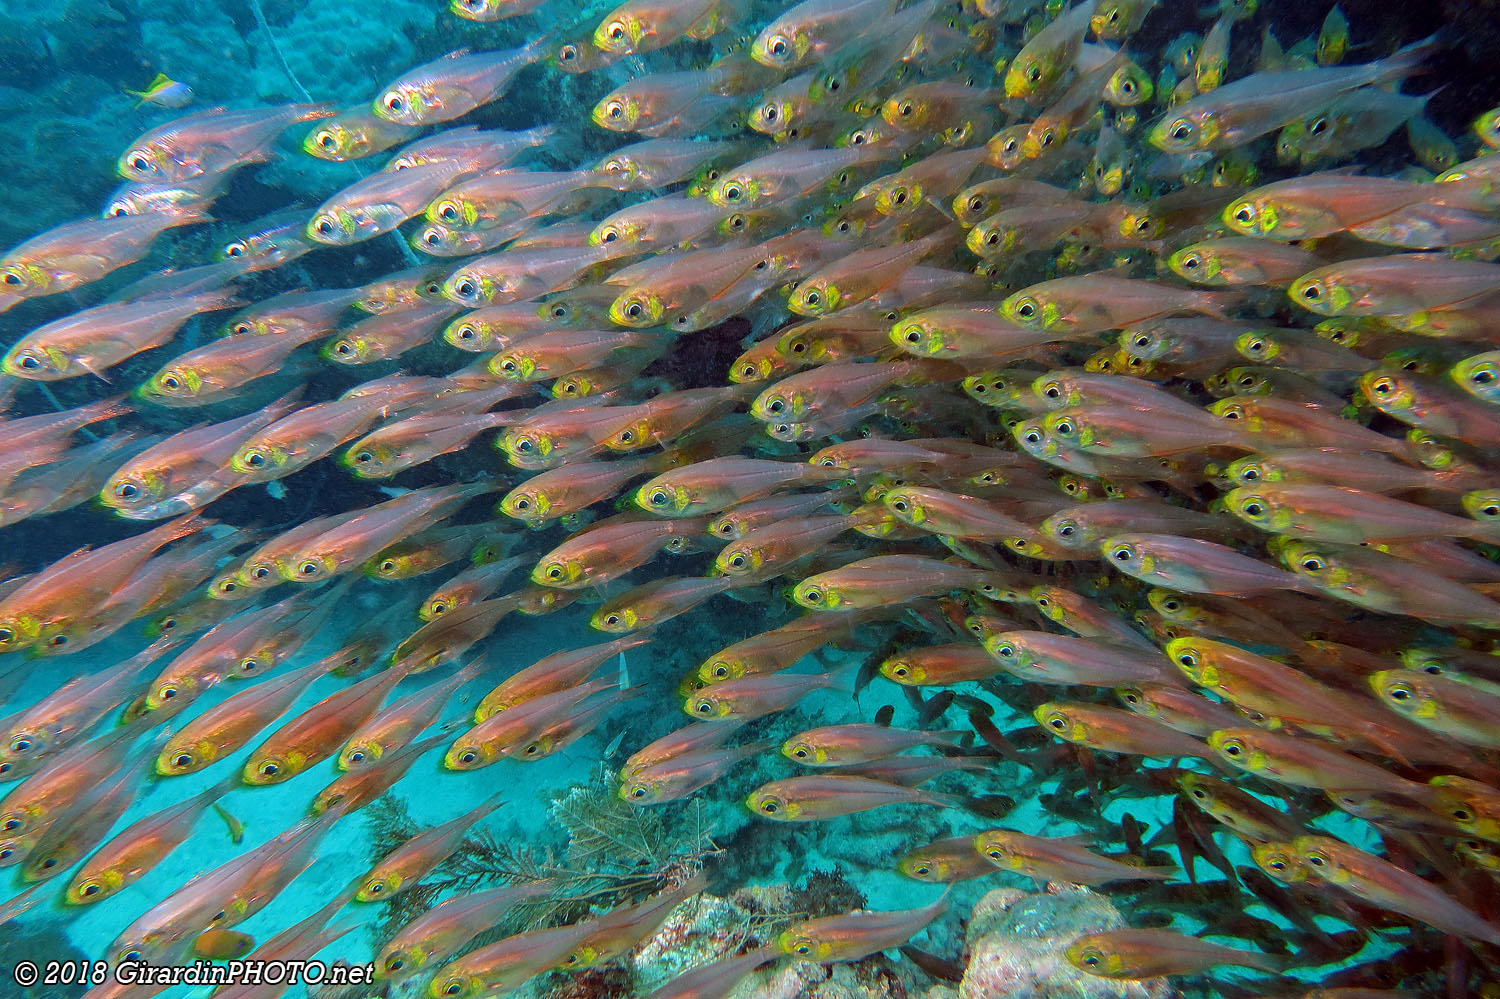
1018, 949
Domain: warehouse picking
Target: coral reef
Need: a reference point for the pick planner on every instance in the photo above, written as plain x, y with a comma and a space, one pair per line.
1016, 941
606, 854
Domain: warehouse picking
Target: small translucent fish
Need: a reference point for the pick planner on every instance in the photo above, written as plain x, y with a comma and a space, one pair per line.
1333, 38
415, 858
1045, 860
164, 92
808, 799
1138, 954
1239, 112
1391, 887
454, 85
352, 134
94, 340
212, 141
851, 936
809, 30
1240, 260
1038, 68
447, 926
837, 745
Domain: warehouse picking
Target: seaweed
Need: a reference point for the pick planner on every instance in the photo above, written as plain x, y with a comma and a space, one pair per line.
605, 853
827, 893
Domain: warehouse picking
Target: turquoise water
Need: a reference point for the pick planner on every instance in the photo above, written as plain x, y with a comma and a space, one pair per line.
63, 73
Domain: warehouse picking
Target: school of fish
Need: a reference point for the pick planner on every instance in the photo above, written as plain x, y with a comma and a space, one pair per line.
1099, 403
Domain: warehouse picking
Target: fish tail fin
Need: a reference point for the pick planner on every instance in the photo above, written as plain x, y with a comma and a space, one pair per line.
1408, 59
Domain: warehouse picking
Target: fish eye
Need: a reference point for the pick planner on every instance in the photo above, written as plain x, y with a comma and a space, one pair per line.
1254, 508
182, 760
612, 620
614, 110
635, 310
554, 572
1318, 127
166, 693
1006, 651
800, 753
1123, 553
260, 572
615, 30
1312, 563
89, 888
30, 363
326, 140
777, 45
131, 955
357, 756
813, 595
1090, 960
1244, 215
449, 211
1312, 293
1383, 386
1066, 530
733, 192
900, 671
308, 568
467, 756
465, 288
270, 768
567, 53
394, 103
1233, 748
432, 237
1057, 723
1026, 309
1316, 859
1400, 692
704, 707
324, 225
452, 989
466, 332
20, 744
171, 382
639, 791
769, 807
